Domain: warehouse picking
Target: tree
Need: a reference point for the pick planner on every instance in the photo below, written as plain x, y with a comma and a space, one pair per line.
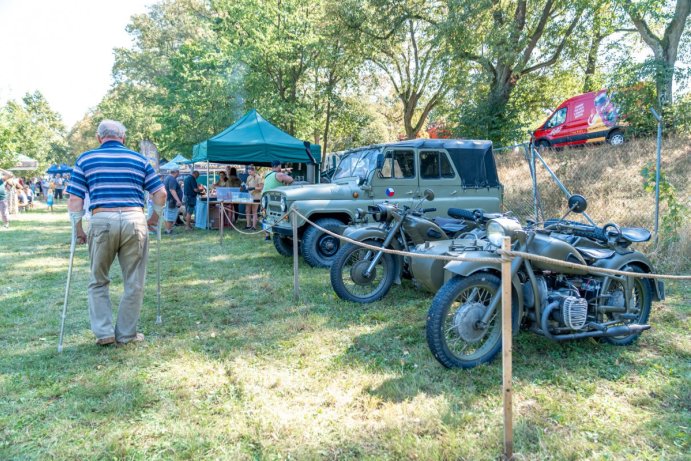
509, 40
401, 40
664, 48
32, 128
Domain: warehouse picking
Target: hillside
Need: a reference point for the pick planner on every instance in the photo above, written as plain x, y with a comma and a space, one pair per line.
611, 179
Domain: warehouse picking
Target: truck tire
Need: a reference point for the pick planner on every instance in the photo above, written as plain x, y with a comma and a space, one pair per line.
616, 138
318, 248
284, 245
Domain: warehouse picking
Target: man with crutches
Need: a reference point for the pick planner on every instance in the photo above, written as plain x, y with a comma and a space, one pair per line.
115, 179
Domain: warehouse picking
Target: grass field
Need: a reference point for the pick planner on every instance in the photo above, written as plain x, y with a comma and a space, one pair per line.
239, 371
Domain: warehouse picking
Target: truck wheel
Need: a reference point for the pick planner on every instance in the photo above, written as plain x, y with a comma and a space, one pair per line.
318, 248
284, 245
542, 145
616, 138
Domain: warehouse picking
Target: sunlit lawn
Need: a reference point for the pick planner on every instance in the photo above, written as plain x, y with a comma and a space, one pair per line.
241, 371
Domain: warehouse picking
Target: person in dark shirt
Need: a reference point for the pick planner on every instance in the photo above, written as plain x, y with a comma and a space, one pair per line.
191, 190
173, 201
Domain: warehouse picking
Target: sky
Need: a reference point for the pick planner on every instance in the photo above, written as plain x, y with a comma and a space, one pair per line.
62, 48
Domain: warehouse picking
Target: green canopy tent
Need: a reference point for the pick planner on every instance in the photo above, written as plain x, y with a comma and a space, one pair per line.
252, 139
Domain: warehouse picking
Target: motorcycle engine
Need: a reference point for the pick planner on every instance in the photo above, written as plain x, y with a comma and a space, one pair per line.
574, 312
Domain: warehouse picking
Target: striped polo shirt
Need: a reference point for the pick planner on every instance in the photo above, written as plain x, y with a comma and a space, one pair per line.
113, 176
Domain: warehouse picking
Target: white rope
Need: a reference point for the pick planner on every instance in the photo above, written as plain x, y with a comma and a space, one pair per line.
530, 256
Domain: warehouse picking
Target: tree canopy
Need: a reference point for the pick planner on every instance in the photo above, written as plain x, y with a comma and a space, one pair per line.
347, 72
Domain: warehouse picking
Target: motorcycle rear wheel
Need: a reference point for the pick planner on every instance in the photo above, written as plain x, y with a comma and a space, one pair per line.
348, 280
455, 308
641, 298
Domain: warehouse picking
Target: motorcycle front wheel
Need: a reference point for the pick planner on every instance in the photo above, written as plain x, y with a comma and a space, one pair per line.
641, 299
453, 335
348, 277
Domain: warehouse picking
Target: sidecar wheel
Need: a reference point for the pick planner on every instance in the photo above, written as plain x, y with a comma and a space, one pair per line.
451, 333
641, 298
348, 279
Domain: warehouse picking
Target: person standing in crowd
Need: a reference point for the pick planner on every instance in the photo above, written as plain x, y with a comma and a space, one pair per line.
222, 180
4, 211
233, 179
254, 186
59, 186
275, 178
191, 190
115, 179
174, 200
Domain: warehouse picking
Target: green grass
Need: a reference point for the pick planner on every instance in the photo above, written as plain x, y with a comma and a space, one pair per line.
240, 371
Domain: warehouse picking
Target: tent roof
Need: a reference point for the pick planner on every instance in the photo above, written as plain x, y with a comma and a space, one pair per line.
180, 160
24, 162
252, 139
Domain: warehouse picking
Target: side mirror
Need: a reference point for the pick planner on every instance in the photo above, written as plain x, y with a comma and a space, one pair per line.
380, 161
429, 194
577, 203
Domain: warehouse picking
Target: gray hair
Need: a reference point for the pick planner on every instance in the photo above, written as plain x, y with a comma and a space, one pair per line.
111, 129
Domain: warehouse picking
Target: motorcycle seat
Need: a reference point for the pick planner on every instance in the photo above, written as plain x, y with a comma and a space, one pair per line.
451, 226
635, 234
595, 253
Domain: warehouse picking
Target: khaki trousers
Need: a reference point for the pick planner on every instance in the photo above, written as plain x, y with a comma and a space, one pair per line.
123, 234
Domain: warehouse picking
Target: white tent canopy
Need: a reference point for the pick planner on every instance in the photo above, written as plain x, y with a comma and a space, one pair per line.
24, 163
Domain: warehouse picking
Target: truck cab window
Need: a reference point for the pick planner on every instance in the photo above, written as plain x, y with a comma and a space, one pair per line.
435, 165
557, 119
398, 164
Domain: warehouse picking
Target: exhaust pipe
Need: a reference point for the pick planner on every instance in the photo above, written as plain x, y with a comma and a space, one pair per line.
618, 330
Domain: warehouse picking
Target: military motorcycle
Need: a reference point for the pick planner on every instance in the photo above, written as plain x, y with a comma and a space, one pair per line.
363, 275
558, 302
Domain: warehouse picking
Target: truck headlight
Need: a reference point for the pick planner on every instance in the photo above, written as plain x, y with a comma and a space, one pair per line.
284, 205
265, 202
499, 228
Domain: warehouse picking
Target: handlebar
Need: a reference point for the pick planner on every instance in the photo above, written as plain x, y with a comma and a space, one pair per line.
578, 229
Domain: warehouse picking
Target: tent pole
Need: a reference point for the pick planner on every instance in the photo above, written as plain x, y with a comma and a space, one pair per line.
208, 197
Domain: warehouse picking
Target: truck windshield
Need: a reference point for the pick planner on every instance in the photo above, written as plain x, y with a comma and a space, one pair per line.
356, 164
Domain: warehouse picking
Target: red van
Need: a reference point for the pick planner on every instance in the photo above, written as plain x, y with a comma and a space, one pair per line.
586, 118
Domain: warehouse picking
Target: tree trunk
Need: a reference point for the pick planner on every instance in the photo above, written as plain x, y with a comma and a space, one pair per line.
327, 125
499, 94
591, 61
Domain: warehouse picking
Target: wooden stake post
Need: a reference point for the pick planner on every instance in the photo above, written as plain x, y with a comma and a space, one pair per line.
296, 283
506, 340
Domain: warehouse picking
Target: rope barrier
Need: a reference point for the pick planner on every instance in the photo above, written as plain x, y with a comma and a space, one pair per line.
530, 256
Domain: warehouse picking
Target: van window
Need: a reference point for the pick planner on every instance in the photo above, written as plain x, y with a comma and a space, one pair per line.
557, 119
435, 165
399, 164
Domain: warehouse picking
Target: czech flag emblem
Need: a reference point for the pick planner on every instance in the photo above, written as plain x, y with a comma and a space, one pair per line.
389, 192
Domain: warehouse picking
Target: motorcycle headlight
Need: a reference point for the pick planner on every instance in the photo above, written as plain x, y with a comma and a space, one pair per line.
284, 205
499, 228
380, 213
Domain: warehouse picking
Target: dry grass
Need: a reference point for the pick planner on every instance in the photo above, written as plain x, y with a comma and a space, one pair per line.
610, 178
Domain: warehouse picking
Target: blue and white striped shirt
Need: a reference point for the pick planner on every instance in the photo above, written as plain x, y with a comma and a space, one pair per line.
113, 176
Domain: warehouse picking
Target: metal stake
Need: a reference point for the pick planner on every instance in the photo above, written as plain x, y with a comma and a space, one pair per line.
159, 320
73, 244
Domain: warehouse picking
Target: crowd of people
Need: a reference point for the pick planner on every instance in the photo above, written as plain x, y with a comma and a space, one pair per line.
18, 194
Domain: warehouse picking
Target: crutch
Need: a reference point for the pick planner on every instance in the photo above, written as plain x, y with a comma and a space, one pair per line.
159, 320
69, 278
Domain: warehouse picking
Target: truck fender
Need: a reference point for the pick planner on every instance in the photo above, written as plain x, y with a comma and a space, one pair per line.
634, 258
467, 268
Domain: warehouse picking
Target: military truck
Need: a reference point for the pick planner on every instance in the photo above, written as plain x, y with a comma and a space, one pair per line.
462, 174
